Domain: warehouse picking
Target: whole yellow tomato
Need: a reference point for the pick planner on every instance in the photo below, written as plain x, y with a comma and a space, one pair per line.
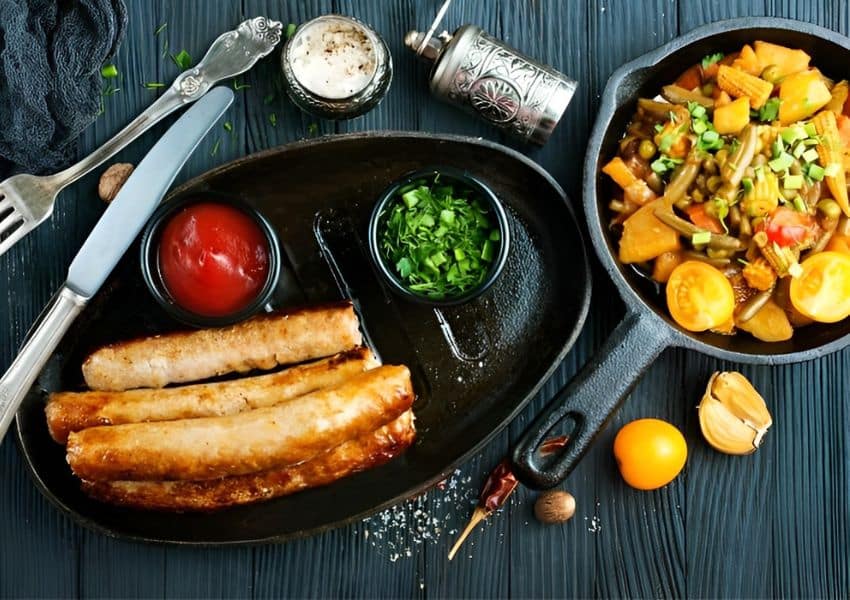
650, 453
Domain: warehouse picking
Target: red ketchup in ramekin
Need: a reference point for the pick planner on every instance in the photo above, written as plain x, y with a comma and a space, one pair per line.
213, 259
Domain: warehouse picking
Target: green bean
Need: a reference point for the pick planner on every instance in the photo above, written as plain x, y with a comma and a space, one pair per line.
679, 95
659, 110
682, 179
750, 308
735, 166
717, 241
700, 256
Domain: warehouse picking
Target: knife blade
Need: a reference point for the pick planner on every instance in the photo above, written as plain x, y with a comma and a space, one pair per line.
112, 235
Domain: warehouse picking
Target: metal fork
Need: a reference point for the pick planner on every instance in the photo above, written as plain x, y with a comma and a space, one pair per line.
26, 200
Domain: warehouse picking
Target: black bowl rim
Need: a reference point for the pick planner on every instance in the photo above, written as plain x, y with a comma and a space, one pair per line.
467, 179
598, 236
150, 273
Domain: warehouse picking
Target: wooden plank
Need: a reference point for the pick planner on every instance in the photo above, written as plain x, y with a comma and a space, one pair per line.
694, 14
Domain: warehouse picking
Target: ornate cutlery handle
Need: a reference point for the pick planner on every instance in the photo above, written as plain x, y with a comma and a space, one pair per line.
231, 54
18, 380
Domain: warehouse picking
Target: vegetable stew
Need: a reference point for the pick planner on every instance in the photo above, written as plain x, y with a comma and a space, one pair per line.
731, 191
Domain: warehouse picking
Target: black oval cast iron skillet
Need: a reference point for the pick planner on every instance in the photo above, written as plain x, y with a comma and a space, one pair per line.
474, 366
594, 395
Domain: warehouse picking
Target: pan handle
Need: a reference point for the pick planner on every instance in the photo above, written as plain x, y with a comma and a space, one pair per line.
590, 399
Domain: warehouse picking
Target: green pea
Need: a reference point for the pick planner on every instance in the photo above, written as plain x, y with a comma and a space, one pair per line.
646, 149
829, 208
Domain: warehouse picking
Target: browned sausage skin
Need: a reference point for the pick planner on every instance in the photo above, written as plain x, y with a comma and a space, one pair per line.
365, 452
261, 342
75, 411
257, 440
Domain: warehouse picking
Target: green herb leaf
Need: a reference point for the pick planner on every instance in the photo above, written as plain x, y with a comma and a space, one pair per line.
747, 183
273, 119
290, 30
182, 59
313, 129
269, 98
109, 71
770, 110
709, 60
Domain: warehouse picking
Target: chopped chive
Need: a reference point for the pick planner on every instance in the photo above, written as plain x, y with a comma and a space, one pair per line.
160, 29
109, 72
182, 59
228, 126
214, 150
237, 85
799, 149
699, 127
164, 47
810, 129
701, 237
153, 85
799, 204
273, 119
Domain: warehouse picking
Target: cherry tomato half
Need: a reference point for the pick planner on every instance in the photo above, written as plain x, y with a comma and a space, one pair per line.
787, 227
699, 297
214, 259
822, 291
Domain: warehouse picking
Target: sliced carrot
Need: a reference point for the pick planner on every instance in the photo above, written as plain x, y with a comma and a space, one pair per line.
619, 172
690, 79
699, 217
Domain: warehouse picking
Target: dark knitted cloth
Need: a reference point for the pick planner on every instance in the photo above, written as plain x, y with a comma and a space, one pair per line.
51, 53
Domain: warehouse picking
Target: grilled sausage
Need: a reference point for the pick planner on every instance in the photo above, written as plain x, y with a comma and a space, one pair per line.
257, 440
74, 411
258, 343
365, 452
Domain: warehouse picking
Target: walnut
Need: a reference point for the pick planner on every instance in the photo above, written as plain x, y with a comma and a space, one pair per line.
112, 180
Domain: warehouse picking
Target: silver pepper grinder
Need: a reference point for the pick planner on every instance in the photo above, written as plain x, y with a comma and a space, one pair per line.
485, 77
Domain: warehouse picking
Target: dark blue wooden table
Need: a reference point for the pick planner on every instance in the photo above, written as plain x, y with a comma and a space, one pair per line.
773, 524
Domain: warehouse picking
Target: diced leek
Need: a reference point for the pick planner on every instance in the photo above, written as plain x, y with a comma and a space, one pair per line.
701, 237
816, 172
792, 182
781, 163
810, 155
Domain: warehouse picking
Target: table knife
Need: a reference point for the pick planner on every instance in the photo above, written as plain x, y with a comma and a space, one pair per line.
112, 235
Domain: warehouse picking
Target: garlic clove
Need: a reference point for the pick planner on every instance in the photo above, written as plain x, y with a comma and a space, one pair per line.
733, 416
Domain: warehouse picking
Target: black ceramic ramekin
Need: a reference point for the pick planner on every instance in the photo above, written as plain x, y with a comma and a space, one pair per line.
152, 274
447, 175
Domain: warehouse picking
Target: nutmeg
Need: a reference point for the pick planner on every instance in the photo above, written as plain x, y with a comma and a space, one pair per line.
554, 506
112, 180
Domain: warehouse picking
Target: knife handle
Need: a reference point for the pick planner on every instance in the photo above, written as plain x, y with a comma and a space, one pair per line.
53, 324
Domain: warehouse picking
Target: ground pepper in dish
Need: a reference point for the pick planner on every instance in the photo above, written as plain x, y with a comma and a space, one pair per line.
439, 239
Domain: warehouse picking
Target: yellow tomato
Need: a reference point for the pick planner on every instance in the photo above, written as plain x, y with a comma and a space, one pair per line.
699, 297
650, 453
822, 291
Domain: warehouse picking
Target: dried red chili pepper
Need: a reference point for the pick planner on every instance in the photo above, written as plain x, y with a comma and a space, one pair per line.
497, 488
